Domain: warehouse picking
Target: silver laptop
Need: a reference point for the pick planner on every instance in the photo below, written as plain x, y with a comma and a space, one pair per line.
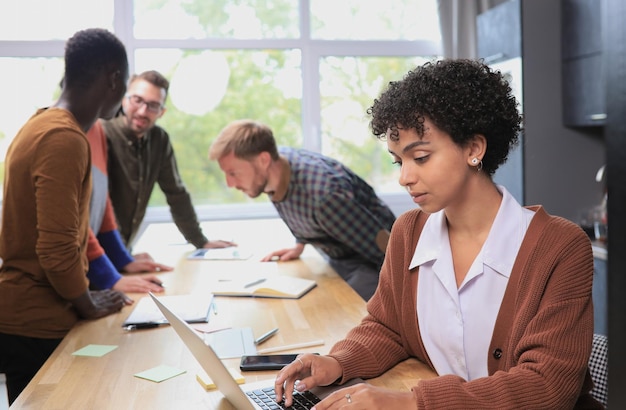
220, 375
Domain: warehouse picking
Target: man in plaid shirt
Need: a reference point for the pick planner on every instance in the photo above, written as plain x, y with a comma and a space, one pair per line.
322, 202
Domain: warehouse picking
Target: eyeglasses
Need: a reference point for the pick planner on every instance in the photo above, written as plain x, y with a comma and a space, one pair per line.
152, 106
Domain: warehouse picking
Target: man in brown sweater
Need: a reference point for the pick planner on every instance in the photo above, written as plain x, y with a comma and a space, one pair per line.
45, 211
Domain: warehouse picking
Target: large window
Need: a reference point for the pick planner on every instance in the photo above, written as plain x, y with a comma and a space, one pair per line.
309, 69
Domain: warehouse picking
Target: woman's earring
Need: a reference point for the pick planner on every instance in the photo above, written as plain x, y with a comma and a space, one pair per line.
478, 163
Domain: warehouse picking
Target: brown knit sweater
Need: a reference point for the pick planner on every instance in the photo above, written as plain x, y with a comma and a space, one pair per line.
542, 337
45, 222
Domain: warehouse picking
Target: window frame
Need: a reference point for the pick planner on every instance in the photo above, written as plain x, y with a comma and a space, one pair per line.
312, 51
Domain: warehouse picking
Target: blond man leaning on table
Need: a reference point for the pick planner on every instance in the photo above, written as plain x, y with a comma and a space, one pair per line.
322, 201
45, 212
493, 296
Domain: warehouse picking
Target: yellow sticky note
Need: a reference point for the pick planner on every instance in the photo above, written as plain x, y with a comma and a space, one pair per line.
208, 384
159, 373
94, 350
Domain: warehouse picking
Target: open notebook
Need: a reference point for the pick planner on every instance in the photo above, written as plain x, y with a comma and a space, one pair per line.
192, 308
224, 380
285, 287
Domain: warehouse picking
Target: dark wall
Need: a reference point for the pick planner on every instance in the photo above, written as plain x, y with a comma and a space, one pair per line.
560, 163
616, 168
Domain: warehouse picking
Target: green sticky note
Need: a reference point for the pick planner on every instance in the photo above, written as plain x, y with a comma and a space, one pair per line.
159, 373
94, 350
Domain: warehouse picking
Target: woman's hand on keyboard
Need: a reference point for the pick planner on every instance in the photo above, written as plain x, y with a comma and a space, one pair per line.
304, 373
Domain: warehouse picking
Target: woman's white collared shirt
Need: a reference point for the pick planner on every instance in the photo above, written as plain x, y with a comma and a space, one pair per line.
456, 324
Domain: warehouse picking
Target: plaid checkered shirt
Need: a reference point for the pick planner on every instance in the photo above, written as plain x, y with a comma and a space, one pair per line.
330, 207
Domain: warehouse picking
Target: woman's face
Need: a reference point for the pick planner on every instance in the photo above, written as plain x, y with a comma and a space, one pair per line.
433, 168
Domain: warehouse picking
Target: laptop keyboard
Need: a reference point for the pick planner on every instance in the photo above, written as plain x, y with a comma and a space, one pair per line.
266, 399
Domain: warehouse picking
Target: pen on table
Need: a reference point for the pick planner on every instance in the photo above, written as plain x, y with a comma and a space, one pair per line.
290, 347
139, 326
160, 284
265, 336
256, 282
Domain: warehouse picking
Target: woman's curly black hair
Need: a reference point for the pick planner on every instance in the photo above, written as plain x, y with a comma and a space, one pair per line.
461, 97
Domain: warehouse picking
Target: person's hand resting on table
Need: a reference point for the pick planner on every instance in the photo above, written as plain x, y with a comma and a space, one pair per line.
286, 254
218, 244
94, 304
139, 284
145, 265
142, 262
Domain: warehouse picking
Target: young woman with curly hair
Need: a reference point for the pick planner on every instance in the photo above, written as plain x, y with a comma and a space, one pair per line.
493, 296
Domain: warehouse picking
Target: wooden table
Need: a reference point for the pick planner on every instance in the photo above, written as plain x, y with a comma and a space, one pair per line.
108, 382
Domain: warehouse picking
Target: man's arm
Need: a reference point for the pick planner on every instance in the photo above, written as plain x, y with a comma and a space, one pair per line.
97, 304
61, 195
101, 274
179, 199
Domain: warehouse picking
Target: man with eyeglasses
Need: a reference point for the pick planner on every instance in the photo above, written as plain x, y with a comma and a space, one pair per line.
140, 156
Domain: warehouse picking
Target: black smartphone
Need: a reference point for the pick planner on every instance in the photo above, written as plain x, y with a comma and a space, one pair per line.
266, 361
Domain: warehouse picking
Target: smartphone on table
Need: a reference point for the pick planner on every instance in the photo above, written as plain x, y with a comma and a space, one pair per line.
266, 361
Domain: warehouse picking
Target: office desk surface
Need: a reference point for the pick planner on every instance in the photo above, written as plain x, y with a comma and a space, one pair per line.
108, 382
